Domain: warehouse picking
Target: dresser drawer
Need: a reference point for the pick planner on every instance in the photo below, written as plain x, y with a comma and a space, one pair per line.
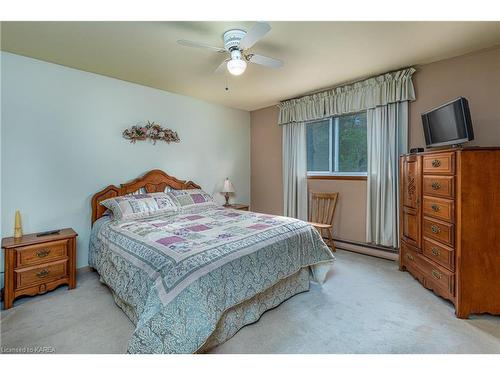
439, 186
408, 258
41, 253
437, 278
439, 253
439, 208
438, 230
430, 275
441, 163
41, 274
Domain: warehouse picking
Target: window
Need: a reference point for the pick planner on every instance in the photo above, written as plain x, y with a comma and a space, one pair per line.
337, 145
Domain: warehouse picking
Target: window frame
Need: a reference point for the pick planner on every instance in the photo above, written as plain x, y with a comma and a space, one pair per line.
334, 127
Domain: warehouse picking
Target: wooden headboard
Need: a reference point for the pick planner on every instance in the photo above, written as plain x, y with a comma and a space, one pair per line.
153, 181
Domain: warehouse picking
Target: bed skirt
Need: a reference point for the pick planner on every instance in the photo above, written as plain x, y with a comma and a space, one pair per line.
247, 312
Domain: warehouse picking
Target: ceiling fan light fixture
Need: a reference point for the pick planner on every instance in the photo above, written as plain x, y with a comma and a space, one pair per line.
237, 42
236, 67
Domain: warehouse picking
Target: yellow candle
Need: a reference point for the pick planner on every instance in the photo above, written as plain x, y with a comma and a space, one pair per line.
18, 228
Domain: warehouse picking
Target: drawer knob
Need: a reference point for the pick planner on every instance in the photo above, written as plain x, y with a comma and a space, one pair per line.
436, 274
435, 208
436, 163
436, 186
43, 253
43, 273
435, 229
435, 251
410, 257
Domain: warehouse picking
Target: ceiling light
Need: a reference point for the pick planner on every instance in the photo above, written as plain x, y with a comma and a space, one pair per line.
236, 67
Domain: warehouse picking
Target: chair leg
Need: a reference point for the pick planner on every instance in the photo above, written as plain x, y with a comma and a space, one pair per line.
320, 230
330, 237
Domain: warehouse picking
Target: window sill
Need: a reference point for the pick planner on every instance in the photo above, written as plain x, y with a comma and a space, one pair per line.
337, 177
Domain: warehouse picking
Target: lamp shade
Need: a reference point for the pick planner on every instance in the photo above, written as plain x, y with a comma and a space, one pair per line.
228, 186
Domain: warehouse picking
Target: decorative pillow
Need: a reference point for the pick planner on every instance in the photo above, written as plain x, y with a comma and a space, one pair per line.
141, 190
191, 198
136, 206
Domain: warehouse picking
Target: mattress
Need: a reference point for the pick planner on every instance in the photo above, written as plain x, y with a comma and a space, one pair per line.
178, 276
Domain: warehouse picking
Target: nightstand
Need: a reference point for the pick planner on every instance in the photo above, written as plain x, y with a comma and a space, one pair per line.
34, 265
236, 206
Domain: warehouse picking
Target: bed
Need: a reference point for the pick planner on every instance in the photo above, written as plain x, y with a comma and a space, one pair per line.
190, 281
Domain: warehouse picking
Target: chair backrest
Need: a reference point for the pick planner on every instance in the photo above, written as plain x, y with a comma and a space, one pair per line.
322, 207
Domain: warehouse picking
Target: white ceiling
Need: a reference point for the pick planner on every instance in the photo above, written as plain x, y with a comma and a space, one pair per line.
316, 54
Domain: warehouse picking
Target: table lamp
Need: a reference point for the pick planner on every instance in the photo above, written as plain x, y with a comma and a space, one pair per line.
227, 189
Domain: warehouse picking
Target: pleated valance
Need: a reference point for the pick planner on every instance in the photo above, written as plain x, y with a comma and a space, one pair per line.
370, 93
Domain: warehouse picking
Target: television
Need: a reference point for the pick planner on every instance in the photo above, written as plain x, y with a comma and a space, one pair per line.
448, 124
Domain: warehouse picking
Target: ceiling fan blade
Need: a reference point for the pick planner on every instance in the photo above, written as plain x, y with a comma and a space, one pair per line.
254, 34
222, 67
266, 61
188, 43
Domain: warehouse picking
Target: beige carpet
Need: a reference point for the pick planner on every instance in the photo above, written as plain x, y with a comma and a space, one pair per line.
366, 306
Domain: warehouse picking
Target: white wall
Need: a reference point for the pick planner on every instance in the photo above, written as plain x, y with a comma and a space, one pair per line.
61, 142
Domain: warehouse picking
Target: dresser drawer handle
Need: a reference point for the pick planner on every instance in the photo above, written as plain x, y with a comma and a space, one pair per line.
435, 229
436, 186
410, 257
436, 163
436, 274
43, 273
435, 251
435, 208
43, 253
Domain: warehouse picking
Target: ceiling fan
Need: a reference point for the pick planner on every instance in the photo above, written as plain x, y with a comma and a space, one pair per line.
236, 43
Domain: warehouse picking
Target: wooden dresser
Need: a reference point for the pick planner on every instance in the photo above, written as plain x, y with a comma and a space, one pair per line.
450, 225
35, 265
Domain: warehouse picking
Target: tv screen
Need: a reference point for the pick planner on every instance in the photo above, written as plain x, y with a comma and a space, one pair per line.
448, 124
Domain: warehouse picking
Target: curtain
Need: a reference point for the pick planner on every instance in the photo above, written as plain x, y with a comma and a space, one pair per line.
385, 98
372, 92
387, 135
295, 170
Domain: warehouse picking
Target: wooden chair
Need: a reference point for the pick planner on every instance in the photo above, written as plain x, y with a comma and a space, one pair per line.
321, 211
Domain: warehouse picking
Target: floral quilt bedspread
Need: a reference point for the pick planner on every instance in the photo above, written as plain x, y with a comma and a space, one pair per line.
175, 275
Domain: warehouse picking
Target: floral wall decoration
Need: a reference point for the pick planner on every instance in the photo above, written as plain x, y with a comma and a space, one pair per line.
151, 131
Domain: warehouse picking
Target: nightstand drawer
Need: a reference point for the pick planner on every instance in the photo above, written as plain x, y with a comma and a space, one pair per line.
41, 253
41, 274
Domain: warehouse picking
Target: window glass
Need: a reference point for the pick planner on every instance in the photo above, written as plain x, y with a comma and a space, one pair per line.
318, 146
337, 145
352, 143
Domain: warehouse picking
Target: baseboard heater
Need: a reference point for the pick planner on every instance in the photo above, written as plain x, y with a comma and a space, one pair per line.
367, 248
